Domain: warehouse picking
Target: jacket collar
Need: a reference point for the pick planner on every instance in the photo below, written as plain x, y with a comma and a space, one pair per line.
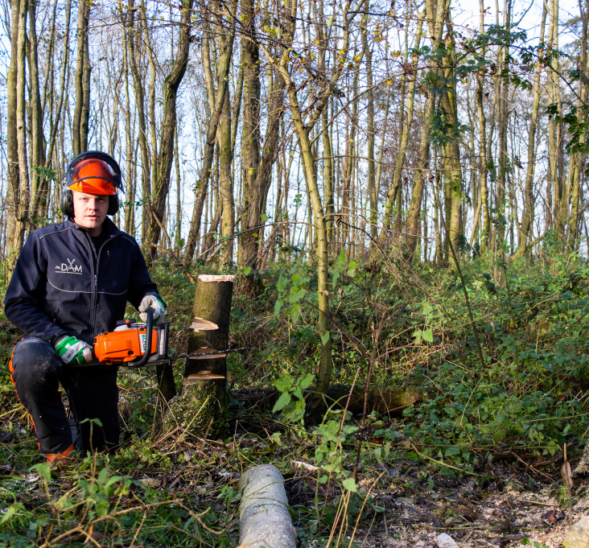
108, 227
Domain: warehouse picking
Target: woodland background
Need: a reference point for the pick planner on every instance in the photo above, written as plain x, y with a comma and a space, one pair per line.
402, 193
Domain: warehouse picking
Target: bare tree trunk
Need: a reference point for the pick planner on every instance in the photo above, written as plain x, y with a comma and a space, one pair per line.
165, 157
395, 187
226, 203
528, 215
130, 201
140, 105
370, 130
82, 79
413, 217
178, 235
37, 141
303, 129
224, 65
483, 188
22, 197
11, 131
577, 162
250, 138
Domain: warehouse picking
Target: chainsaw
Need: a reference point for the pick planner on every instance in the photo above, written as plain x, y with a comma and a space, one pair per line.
134, 344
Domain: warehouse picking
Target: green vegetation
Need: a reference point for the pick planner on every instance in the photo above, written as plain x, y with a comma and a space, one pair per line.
390, 326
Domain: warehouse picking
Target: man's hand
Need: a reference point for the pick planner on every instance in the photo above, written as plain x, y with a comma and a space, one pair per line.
159, 308
73, 351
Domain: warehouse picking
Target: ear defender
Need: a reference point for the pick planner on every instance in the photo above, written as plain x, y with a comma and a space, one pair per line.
113, 204
67, 204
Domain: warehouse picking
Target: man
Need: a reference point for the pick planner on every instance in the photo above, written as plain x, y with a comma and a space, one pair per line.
71, 282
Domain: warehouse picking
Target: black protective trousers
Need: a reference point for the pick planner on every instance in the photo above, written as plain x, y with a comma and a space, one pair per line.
37, 371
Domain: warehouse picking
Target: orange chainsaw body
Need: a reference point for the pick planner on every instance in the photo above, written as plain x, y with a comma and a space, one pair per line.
128, 343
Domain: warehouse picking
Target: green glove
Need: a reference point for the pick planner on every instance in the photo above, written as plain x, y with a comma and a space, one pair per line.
73, 351
159, 308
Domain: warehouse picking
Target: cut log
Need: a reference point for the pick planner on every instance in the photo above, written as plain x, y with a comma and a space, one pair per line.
264, 519
382, 399
201, 408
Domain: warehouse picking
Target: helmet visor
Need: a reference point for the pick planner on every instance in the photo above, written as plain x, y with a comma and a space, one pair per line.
92, 176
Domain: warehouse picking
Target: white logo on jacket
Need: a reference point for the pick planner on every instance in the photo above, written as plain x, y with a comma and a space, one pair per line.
69, 268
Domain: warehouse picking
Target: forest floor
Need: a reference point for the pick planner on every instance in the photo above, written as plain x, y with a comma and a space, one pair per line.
480, 460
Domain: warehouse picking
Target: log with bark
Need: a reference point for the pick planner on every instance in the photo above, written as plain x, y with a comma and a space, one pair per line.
382, 399
264, 519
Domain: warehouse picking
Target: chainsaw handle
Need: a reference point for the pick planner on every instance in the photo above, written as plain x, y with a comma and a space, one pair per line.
149, 328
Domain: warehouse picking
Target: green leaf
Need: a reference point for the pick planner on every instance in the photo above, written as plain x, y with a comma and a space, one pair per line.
323, 479
428, 336
14, 508
264, 217
295, 296
112, 480
350, 485
282, 402
103, 476
426, 309
44, 471
295, 312
329, 21
306, 381
278, 306
325, 338
247, 270
283, 383
452, 451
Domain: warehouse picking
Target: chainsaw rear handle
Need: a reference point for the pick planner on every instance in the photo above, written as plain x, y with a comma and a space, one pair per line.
149, 328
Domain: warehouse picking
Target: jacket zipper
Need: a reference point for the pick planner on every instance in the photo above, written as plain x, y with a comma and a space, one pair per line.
87, 240
110, 239
95, 274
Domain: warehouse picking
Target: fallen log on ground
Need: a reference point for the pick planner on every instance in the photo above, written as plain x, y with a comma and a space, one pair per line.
264, 519
382, 399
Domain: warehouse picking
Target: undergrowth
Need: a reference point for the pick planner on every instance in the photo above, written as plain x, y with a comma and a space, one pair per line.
523, 402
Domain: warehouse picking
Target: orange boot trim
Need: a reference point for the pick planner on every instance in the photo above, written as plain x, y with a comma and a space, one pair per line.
63, 457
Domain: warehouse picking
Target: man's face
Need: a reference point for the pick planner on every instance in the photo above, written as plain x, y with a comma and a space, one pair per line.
90, 210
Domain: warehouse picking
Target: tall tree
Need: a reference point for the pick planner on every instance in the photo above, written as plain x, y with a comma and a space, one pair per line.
11, 124
82, 80
165, 156
223, 20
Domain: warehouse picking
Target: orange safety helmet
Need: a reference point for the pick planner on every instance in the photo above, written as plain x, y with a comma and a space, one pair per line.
94, 172
94, 177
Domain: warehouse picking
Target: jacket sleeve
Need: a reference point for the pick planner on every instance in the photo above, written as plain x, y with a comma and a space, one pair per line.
26, 290
141, 284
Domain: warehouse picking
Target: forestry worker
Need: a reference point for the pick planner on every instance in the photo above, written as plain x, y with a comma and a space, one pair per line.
71, 282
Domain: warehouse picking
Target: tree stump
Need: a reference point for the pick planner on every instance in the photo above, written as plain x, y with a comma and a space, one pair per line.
201, 408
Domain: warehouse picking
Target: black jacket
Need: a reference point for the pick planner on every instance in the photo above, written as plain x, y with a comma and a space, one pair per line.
56, 289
